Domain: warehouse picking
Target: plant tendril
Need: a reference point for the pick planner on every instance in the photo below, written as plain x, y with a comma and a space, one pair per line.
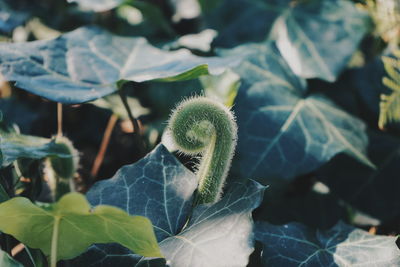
202, 126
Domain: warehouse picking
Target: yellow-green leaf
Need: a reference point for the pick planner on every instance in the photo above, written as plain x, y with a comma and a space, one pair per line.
67, 228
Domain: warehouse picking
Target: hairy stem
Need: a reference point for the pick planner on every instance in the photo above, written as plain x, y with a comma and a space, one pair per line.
200, 125
136, 129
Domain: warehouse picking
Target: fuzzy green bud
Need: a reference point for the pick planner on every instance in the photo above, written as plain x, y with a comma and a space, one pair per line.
202, 126
65, 167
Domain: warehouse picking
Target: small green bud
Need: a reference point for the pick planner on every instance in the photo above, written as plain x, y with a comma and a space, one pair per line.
65, 167
59, 171
203, 126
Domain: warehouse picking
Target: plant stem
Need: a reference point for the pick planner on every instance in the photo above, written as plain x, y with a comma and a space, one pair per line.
54, 242
59, 120
136, 129
30, 256
104, 144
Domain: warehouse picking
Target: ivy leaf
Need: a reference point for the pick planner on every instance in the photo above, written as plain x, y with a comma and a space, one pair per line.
157, 187
14, 146
7, 261
163, 97
97, 5
161, 188
317, 38
282, 131
220, 234
222, 88
294, 244
86, 64
109, 255
239, 21
77, 225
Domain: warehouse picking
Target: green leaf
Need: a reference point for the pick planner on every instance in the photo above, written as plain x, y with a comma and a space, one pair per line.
220, 234
282, 131
208, 5
160, 187
222, 88
68, 227
114, 255
86, 64
14, 146
146, 19
240, 21
7, 261
294, 244
163, 97
317, 38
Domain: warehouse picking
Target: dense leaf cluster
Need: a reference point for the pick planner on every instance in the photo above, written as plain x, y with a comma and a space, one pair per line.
306, 82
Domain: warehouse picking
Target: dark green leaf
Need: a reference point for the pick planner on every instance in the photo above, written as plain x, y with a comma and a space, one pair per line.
218, 234
163, 97
282, 132
154, 21
111, 255
294, 244
157, 187
239, 21
161, 188
208, 5
7, 261
14, 146
223, 87
77, 226
87, 63
317, 38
